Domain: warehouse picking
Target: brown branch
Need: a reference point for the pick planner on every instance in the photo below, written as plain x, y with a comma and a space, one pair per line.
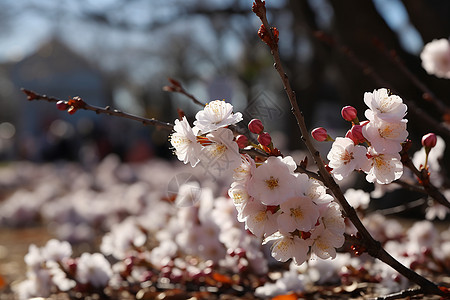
424, 180
373, 247
176, 87
410, 187
80, 104
401, 295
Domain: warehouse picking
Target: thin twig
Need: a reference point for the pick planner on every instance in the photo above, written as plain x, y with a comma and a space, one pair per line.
176, 87
401, 295
373, 247
424, 179
401, 208
99, 110
410, 187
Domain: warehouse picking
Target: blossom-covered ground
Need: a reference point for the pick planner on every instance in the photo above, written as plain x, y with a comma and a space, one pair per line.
168, 231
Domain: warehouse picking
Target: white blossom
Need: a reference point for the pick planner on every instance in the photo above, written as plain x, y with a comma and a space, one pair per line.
184, 140
386, 137
258, 219
357, 198
216, 114
384, 168
288, 246
221, 156
272, 182
93, 269
384, 106
298, 213
345, 157
435, 58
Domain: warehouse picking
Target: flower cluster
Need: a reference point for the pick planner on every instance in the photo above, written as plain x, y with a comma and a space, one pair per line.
272, 200
51, 268
288, 208
383, 132
209, 142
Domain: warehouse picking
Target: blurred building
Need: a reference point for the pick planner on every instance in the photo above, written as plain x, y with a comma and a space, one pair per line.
55, 70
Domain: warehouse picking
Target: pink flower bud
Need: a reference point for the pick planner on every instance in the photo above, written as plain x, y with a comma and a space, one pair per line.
62, 105
256, 126
242, 141
355, 134
264, 139
349, 113
429, 140
319, 134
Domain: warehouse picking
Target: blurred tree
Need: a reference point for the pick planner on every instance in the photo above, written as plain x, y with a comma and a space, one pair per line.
140, 43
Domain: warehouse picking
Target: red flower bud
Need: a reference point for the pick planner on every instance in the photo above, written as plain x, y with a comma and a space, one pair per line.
256, 126
264, 139
72, 110
319, 134
349, 113
429, 140
242, 141
62, 105
355, 134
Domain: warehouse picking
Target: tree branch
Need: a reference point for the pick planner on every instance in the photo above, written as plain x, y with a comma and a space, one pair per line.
373, 247
176, 87
99, 110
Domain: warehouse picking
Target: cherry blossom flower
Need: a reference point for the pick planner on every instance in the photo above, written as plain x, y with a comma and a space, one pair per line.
437, 210
316, 192
325, 242
332, 220
243, 172
384, 106
184, 140
290, 281
298, 213
435, 58
238, 193
93, 269
122, 238
357, 198
188, 194
386, 137
216, 114
272, 181
329, 234
384, 168
56, 250
221, 156
258, 219
288, 246
345, 157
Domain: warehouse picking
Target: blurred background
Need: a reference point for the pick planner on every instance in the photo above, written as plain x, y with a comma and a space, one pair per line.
121, 52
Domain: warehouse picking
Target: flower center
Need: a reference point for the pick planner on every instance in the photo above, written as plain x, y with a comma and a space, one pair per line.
261, 216
297, 213
272, 183
379, 162
346, 157
386, 104
385, 132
